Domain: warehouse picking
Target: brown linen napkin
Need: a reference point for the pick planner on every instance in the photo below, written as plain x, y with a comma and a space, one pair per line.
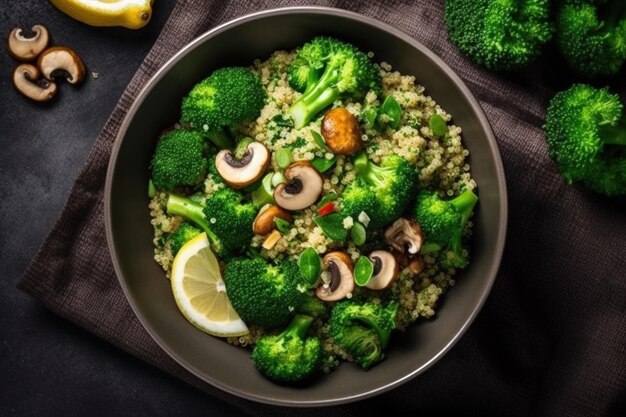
550, 339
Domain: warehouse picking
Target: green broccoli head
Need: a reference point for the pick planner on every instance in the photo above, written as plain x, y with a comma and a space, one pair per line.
586, 133
264, 294
230, 219
179, 160
592, 35
225, 219
289, 356
443, 223
381, 191
183, 234
227, 98
500, 35
363, 329
327, 69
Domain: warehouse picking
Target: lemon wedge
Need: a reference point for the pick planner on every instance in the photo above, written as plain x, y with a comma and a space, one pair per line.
200, 292
132, 14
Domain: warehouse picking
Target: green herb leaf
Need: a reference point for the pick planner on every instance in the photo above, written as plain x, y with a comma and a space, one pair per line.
319, 141
332, 226
370, 114
282, 121
358, 234
151, 189
437, 125
282, 225
363, 271
283, 158
310, 265
392, 109
323, 164
327, 198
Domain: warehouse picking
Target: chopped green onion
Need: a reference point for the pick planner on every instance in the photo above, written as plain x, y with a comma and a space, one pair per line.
283, 158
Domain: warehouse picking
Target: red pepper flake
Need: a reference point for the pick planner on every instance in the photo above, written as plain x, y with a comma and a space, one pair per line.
326, 209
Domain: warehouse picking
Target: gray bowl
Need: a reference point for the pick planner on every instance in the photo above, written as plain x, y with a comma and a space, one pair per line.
129, 232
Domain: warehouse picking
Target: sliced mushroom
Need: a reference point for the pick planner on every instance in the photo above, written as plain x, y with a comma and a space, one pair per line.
26, 81
341, 278
264, 222
303, 188
341, 131
27, 49
385, 270
239, 173
61, 62
416, 265
405, 235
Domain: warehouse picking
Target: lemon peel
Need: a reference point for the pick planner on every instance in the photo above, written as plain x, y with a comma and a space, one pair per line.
132, 14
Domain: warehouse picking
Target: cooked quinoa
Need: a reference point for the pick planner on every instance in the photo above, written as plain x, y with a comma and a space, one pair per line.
441, 163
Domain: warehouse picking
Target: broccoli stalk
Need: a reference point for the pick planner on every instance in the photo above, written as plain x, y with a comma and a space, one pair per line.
381, 191
363, 329
592, 36
226, 221
289, 356
443, 223
586, 134
500, 35
346, 71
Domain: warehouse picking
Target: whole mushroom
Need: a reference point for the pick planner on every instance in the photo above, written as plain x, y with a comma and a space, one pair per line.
341, 131
264, 222
303, 188
26, 81
27, 49
239, 173
341, 278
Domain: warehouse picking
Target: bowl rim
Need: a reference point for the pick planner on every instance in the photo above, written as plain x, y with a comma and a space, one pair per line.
465, 91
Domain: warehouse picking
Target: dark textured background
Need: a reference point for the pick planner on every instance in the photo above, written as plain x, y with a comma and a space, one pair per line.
549, 341
48, 366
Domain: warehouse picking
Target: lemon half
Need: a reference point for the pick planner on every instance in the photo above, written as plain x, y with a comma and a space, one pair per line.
132, 14
200, 292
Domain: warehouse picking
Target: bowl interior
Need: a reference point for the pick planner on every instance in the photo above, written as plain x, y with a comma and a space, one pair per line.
130, 233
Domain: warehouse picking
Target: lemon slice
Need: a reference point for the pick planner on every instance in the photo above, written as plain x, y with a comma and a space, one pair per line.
132, 14
200, 292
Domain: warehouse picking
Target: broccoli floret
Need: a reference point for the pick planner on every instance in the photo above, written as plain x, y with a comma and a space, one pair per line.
183, 234
381, 191
289, 356
179, 160
363, 329
225, 219
443, 222
332, 69
592, 35
586, 134
500, 35
264, 294
220, 103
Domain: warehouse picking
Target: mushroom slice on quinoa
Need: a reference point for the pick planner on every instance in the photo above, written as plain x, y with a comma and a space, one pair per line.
405, 235
303, 188
341, 282
385, 270
239, 173
264, 222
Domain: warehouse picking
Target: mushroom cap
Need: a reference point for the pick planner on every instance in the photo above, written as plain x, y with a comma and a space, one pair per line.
342, 279
303, 188
264, 222
385, 270
26, 81
61, 62
341, 131
27, 49
239, 173
405, 235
